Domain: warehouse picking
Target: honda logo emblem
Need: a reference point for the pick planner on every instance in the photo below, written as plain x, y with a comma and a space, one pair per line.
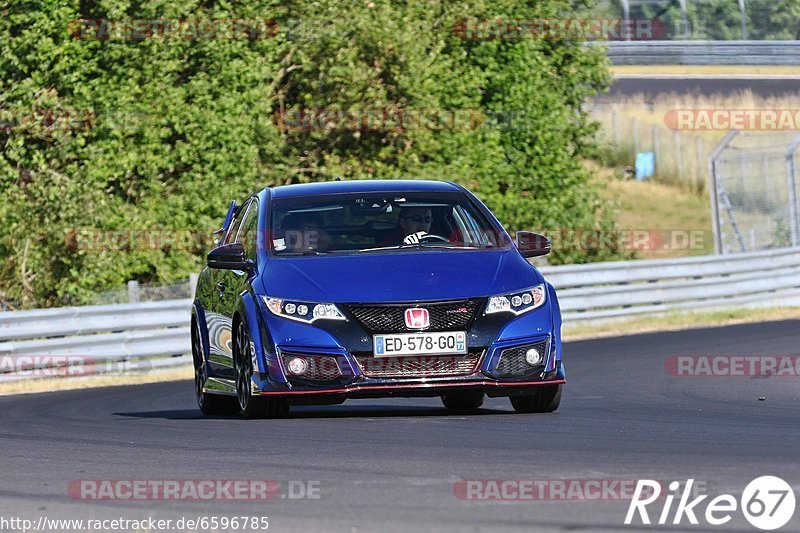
417, 318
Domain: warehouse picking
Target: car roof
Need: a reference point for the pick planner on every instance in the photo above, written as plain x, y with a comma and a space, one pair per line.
362, 186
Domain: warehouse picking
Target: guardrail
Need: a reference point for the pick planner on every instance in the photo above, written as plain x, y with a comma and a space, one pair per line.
139, 336
598, 291
98, 339
704, 52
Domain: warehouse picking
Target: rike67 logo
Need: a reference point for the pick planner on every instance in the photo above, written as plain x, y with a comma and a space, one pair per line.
767, 502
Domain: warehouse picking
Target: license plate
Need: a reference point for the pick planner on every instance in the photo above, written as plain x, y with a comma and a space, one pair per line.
447, 342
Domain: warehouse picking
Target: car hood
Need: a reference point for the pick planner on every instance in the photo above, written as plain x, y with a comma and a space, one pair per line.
399, 276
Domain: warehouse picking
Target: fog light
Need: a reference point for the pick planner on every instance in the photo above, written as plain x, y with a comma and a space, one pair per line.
297, 366
533, 357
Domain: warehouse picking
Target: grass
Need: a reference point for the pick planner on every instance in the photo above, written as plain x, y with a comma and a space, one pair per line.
678, 321
88, 382
639, 124
647, 205
706, 69
753, 168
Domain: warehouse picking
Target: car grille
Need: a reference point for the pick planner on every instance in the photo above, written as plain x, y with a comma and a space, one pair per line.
444, 316
320, 367
512, 361
419, 366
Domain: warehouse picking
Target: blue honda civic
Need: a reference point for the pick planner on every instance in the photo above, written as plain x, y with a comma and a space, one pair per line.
317, 293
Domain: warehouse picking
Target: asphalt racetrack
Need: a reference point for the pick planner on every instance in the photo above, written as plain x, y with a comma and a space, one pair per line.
656, 85
397, 465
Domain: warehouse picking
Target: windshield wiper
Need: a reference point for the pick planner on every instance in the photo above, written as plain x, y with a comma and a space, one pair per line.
300, 253
452, 246
419, 245
393, 247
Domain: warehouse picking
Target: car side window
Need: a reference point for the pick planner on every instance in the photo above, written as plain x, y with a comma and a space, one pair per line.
248, 231
236, 223
467, 225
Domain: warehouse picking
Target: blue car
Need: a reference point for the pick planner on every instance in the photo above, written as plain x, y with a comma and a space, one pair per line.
317, 293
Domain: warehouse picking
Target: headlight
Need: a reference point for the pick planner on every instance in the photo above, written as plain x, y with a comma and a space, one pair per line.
517, 302
307, 312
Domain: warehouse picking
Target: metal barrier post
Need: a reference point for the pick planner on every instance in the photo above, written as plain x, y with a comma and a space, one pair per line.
626, 14
698, 145
684, 23
133, 291
791, 182
743, 16
656, 151
712, 188
193, 282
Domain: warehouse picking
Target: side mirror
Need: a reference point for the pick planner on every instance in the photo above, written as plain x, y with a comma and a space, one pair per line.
532, 244
229, 257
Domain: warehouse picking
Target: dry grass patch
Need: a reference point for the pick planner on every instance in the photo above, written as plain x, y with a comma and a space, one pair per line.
647, 205
89, 382
678, 321
638, 123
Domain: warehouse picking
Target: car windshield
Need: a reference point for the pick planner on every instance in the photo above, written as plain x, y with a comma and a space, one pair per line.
385, 222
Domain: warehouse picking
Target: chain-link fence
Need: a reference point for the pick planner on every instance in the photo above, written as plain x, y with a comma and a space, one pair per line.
709, 19
754, 196
680, 157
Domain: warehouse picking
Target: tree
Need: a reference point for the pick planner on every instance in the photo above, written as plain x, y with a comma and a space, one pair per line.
170, 129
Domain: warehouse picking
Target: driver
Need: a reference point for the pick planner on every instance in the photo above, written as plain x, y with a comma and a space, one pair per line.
415, 223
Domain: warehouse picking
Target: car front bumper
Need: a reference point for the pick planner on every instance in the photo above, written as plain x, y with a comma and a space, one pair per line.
363, 387
346, 347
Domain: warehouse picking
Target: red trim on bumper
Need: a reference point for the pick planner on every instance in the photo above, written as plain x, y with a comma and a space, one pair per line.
358, 388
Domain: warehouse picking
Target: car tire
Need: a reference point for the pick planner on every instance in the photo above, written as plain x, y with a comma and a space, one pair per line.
546, 400
251, 406
463, 400
209, 404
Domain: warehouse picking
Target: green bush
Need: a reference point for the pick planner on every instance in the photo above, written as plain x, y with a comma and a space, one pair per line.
163, 133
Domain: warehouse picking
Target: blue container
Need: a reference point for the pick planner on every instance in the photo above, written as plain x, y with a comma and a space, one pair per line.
645, 165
